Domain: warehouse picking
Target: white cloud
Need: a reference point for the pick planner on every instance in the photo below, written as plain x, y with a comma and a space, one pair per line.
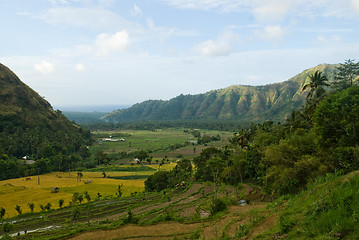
44, 67
108, 44
95, 18
272, 33
333, 38
55, 2
272, 10
80, 67
222, 46
355, 4
136, 11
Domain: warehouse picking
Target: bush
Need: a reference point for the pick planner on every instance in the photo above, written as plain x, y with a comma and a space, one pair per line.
218, 205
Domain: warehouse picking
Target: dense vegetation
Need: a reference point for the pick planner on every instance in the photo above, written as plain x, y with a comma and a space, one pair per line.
244, 104
30, 128
320, 138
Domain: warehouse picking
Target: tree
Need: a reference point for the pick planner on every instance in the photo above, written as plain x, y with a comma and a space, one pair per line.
42, 207
316, 83
119, 190
18, 209
87, 196
31, 206
80, 198
2, 212
79, 174
76, 214
75, 197
336, 119
84, 152
347, 72
61, 202
48, 206
142, 155
216, 166
157, 181
101, 157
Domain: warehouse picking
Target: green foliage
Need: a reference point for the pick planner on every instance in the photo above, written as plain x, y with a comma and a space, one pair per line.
336, 118
158, 181
18, 209
31, 206
161, 180
120, 190
48, 207
61, 202
316, 83
7, 227
2, 212
329, 206
76, 214
130, 218
346, 74
217, 205
30, 127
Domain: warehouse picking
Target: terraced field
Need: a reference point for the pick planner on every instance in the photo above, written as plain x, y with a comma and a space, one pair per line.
37, 189
183, 213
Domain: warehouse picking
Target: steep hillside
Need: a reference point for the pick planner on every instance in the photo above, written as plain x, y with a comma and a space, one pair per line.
28, 123
245, 103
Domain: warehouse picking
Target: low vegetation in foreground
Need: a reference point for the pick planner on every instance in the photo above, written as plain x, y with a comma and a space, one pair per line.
327, 209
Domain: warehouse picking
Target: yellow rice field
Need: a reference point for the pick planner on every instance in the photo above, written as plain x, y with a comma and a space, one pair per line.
21, 191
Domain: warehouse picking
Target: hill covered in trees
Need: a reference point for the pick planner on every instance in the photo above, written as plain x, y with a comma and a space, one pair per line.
30, 127
244, 103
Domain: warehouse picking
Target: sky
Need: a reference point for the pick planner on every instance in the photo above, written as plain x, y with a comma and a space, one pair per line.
121, 52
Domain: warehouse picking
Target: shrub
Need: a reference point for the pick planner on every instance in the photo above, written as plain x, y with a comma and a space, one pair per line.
217, 205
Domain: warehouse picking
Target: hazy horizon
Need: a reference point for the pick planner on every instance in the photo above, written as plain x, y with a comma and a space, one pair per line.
90, 108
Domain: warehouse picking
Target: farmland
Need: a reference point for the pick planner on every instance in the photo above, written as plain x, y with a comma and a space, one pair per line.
160, 143
21, 191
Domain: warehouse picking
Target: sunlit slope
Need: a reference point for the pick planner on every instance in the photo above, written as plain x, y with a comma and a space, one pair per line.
28, 122
245, 103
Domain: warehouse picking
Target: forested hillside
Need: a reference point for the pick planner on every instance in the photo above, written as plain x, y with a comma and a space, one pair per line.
30, 127
244, 103
321, 137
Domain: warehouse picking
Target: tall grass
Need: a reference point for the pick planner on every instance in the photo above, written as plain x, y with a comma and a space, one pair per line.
329, 207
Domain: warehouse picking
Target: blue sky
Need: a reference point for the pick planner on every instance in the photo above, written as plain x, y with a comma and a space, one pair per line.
108, 52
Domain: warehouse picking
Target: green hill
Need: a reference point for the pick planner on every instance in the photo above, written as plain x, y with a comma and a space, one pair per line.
28, 123
245, 103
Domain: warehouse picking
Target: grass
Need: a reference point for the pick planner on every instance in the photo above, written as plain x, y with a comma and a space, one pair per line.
169, 142
21, 191
328, 208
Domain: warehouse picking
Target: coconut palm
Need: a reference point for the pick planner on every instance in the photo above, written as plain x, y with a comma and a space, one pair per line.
316, 83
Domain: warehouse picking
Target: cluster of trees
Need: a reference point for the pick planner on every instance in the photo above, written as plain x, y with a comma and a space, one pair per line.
182, 172
220, 125
50, 160
321, 137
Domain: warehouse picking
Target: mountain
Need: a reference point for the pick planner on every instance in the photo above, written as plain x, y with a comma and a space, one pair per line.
28, 123
244, 103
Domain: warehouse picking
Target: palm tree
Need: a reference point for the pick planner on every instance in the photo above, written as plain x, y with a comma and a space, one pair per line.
316, 83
